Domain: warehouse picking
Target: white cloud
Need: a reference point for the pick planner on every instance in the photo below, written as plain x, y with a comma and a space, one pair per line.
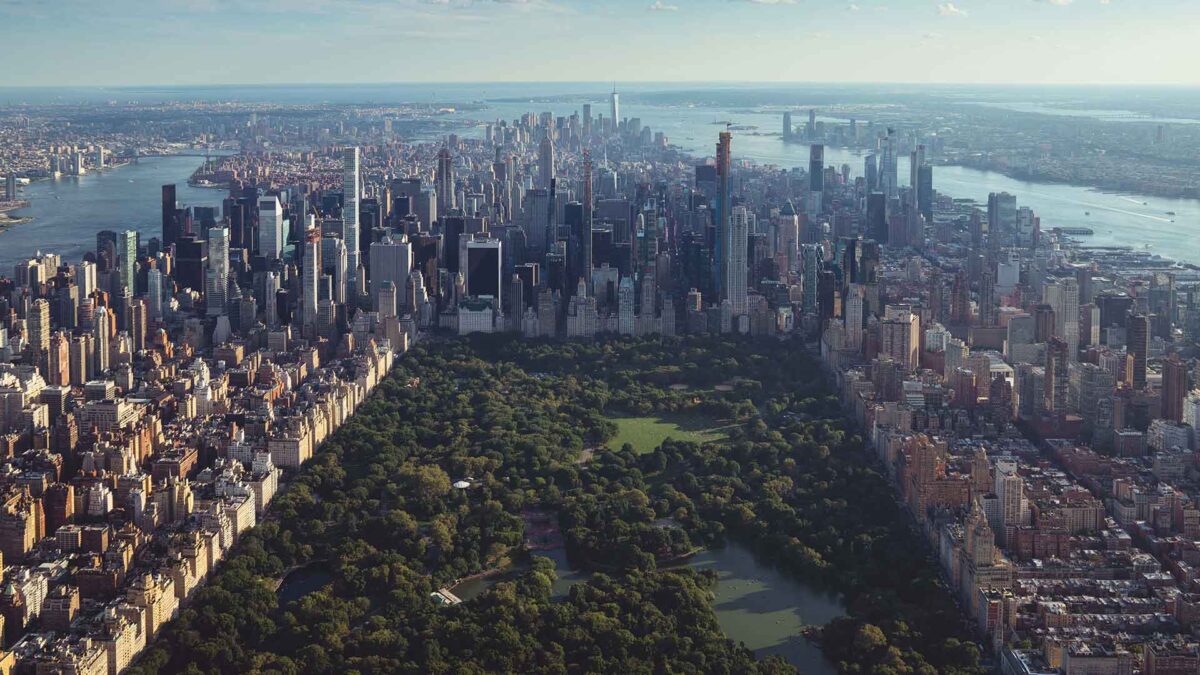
769, 2
660, 6
951, 9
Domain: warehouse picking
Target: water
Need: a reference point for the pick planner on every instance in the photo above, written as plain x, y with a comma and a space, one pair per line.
566, 577
691, 116
1118, 219
766, 609
755, 604
69, 211
303, 581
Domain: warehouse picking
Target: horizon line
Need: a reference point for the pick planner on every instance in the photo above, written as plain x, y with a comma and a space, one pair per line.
608, 83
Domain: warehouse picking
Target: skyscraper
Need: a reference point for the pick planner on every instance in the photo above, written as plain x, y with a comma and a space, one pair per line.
1002, 220
816, 168
38, 322
217, 281
270, 227
736, 271
351, 191
127, 251
1138, 339
888, 166
1057, 382
391, 262
482, 272
723, 207
545, 163
900, 336
1063, 295
787, 126
310, 291
445, 181
171, 227
1175, 388
585, 239
616, 109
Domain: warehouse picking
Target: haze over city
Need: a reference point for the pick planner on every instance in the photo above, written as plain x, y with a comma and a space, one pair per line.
767, 337
135, 42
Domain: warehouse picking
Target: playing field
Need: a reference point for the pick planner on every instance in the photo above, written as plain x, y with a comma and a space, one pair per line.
647, 433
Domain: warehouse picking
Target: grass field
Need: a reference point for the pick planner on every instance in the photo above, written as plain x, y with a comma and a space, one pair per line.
647, 433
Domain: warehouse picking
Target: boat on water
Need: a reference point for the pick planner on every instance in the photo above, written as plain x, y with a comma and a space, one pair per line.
1170, 213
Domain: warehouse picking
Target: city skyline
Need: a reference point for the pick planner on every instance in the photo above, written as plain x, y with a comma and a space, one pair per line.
372, 41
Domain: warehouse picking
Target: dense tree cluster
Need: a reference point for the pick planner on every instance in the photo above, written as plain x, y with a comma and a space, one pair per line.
376, 513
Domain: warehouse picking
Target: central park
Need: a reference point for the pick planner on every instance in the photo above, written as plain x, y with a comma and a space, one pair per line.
656, 505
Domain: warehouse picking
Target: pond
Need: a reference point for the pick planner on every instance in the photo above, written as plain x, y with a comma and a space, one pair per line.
300, 582
567, 577
766, 609
755, 604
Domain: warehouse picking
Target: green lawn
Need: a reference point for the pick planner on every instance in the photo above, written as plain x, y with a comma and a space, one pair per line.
647, 433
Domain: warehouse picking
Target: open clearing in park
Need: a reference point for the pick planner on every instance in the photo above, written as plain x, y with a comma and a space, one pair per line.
647, 433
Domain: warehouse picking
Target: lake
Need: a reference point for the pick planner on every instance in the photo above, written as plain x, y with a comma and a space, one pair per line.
755, 604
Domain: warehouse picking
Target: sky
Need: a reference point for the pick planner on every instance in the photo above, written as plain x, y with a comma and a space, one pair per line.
186, 42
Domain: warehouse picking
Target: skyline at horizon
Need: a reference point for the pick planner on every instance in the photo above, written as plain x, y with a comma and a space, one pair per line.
291, 42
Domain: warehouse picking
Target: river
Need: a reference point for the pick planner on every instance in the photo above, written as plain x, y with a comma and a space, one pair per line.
1118, 220
68, 212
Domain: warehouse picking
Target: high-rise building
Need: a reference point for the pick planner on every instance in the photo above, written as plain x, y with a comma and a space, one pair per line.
888, 168
351, 191
171, 227
482, 271
545, 163
270, 227
877, 226
1137, 337
1062, 294
900, 336
1175, 388
38, 323
925, 191
816, 168
724, 186
585, 236
1002, 219
1057, 382
127, 257
445, 181
616, 109
10, 186
310, 292
736, 270
217, 281
154, 291
788, 129
391, 262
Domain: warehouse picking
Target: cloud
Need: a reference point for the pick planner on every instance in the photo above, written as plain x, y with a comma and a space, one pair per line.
951, 9
660, 6
1061, 3
768, 2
